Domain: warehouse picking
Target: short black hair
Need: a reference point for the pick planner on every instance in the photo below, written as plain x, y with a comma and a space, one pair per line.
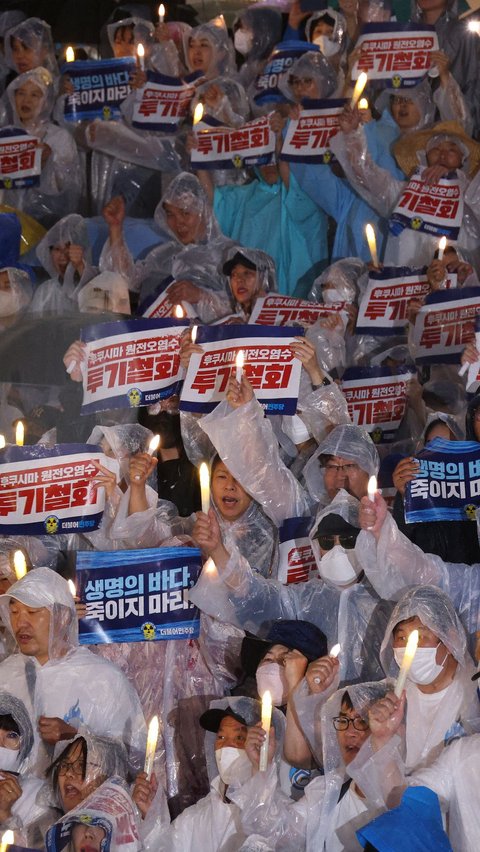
52, 771
8, 723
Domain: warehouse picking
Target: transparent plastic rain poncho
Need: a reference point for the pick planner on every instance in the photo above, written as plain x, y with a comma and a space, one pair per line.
59, 293
61, 178
18, 297
382, 191
265, 26
213, 822
143, 31
315, 66
448, 100
105, 292
449, 421
395, 563
345, 441
10, 705
313, 822
343, 276
233, 109
105, 757
167, 57
36, 35
265, 268
223, 61
339, 33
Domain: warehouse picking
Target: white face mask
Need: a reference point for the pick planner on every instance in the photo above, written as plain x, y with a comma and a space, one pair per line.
424, 668
326, 45
330, 295
9, 303
9, 759
233, 765
271, 676
243, 40
339, 566
295, 429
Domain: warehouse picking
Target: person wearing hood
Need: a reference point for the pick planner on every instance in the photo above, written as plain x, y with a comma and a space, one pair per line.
339, 601
19, 789
256, 31
426, 156
63, 686
30, 96
29, 45
64, 253
126, 34
232, 749
327, 29
251, 274
15, 295
208, 49
193, 239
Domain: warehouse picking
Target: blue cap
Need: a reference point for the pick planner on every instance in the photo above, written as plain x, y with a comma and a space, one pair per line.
415, 826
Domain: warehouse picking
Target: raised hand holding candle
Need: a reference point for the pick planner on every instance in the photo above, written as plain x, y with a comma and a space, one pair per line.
70, 54
19, 434
161, 13
154, 445
205, 487
359, 87
198, 114
372, 488
19, 564
239, 362
372, 244
410, 652
141, 56
7, 840
152, 738
266, 721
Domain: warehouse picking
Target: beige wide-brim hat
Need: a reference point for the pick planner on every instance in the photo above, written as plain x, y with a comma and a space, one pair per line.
407, 148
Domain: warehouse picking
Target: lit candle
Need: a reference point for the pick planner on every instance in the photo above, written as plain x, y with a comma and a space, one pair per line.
19, 564
239, 362
210, 568
141, 55
372, 488
205, 487
2, 442
198, 113
152, 738
372, 244
179, 312
474, 27
359, 87
363, 103
441, 247
70, 54
71, 586
335, 650
194, 333
161, 13
410, 651
7, 840
154, 445
19, 434
266, 720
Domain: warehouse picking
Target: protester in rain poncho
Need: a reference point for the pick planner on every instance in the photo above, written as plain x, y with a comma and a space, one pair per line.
215, 820
256, 31
30, 98
28, 45
65, 254
328, 30
20, 807
208, 49
15, 295
448, 151
340, 603
71, 688
125, 35
195, 242
251, 274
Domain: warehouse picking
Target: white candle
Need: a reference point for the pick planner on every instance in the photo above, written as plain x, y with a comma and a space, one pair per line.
359, 87
193, 335
161, 13
474, 27
2, 442
19, 434
154, 445
141, 56
198, 113
210, 568
179, 312
335, 650
372, 244
19, 564
372, 488
266, 720
205, 487
71, 586
410, 651
70, 54
441, 247
152, 738
363, 103
7, 840
239, 362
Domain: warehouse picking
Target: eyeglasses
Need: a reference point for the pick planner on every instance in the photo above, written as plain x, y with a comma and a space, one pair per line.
327, 542
77, 768
348, 468
342, 723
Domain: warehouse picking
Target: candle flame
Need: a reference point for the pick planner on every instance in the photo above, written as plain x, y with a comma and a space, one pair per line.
474, 27
140, 50
70, 54
161, 13
19, 564
205, 487
441, 247
71, 586
179, 312
359, 87
8, 839
194, 333
335, 650
19, 434
412, 644
372, 487
2, 442
363, 103
154, 445
372, 243
210, 567
153, 730
240, 359
198, 113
